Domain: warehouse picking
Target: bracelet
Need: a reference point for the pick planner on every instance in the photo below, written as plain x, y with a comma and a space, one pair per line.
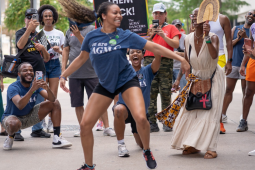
209, 41
62, 77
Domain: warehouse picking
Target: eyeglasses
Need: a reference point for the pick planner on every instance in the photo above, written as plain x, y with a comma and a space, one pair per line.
251, 14
160, 14
29, 16
191, 16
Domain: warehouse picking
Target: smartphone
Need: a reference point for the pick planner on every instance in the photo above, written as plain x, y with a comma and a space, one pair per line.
155, 23
247, 43
35, 17
38, 75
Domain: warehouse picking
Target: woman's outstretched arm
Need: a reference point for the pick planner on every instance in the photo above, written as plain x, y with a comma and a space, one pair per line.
160, 50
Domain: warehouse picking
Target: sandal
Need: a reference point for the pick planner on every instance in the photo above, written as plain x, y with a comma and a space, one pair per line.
190, 150
4, 133
210, 155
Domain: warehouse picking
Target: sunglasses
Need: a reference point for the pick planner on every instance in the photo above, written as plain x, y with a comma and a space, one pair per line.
251, 14
29, 16
191, 16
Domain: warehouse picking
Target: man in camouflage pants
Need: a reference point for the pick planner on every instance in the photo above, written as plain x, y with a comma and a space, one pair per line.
168, 36
162, 83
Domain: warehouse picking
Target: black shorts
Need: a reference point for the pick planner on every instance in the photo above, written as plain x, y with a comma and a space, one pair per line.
129, 119
134, 82
77, 89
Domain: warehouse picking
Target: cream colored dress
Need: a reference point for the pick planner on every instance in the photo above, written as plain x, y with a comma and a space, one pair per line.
200, 128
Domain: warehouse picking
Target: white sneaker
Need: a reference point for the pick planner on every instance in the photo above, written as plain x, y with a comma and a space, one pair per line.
123, 152
50, 126
44, 125
109, 132
251, 153
60, 142
8, 143
100, 126
77, 134
224, 118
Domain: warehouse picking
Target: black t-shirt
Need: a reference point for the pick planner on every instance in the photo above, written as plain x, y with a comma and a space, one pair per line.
30, 55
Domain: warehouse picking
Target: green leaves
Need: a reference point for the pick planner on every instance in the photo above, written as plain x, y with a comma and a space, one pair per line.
15, 13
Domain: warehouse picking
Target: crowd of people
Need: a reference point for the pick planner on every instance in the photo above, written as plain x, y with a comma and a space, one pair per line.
160, 63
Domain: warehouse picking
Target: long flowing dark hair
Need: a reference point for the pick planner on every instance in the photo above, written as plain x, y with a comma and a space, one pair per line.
77, 12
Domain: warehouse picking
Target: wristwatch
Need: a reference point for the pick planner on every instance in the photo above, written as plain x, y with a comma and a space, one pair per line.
230, 60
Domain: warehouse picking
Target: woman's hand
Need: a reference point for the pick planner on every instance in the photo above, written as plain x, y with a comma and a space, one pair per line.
62, 83
206, 28
160, 32
57, 49
242, 71
185, 67
175, 86
75, 30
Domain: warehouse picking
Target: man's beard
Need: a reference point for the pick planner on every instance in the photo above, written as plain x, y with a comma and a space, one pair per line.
25, 81
249, 22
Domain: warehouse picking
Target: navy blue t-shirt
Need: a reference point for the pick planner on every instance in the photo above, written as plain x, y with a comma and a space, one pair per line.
145, 77
110, 61
14, 89
237, 49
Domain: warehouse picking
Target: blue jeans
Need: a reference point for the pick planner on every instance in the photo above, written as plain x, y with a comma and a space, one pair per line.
53, 69
183, 81
39, 99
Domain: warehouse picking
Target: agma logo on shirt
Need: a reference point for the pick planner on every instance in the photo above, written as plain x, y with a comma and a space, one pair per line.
101, 48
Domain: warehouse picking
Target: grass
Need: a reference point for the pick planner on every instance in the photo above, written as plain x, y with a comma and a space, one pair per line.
9, 80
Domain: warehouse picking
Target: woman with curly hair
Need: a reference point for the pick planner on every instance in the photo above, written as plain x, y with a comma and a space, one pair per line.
48, 16
107, 47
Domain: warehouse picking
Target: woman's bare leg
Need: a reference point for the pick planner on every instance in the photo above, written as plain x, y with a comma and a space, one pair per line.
133, 98
96, 107
53, 84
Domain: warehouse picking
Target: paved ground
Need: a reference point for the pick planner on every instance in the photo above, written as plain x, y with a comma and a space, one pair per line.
37, 154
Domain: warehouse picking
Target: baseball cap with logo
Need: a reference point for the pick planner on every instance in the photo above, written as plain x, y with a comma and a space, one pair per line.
176, 22
31, 11
159, 7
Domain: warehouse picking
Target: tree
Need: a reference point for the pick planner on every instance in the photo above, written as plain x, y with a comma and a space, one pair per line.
182, 8
15, 13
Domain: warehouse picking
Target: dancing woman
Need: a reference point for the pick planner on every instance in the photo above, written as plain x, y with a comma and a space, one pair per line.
48, 16
106, 47
199, 129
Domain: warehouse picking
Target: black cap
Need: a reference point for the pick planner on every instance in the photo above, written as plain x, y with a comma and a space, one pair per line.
31, 11
177, 22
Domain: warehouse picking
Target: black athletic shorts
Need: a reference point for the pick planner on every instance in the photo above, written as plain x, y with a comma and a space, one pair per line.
134, 82
76, 87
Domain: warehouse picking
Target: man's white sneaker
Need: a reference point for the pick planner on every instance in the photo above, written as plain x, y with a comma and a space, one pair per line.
224, 118
123, 152
8, 143
50, 126
100, 126
60, 142
251, 153
44, 125
109, 132
77, 134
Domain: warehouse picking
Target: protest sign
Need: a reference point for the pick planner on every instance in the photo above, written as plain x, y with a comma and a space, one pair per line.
134, 12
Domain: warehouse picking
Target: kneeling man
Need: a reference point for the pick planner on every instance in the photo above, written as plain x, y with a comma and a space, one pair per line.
122, 114
21, 111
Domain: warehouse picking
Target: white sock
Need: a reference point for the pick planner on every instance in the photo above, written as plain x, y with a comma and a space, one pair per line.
49, 118
121, 141
106, 128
